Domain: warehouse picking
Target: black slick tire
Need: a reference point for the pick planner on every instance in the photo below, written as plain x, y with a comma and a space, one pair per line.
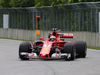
69, 49
81, 49
24, 47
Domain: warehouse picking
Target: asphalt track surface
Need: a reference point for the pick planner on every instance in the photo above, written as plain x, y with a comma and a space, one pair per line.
10, 64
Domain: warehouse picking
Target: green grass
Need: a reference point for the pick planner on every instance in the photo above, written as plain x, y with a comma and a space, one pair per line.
97, 48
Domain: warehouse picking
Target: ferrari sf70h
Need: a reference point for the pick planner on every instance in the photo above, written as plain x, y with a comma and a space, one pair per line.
53, 47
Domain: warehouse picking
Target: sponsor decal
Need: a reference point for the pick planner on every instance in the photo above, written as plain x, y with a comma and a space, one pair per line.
45, 48
68, 34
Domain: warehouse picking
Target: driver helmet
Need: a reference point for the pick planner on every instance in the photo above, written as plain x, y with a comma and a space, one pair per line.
52, 38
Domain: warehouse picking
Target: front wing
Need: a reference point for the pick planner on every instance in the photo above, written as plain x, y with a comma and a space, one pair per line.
54, 55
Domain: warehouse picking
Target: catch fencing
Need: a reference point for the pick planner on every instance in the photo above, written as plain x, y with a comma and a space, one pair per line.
71, 17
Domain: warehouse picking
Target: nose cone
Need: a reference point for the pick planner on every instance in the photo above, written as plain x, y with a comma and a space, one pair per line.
44, 56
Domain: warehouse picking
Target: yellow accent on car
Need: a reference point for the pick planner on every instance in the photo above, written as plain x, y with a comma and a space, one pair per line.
45, 48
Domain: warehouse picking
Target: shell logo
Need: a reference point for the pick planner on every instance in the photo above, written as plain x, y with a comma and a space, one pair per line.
45, 48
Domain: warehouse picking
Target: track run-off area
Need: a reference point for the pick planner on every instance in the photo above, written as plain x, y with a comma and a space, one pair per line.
10, 64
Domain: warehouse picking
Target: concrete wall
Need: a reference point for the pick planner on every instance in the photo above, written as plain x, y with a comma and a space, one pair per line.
92, 39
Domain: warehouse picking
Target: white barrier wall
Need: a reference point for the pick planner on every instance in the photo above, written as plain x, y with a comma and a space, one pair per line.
92, 39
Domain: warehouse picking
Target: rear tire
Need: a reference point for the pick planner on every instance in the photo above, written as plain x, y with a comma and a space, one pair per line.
81, 49
24, 47
69, 49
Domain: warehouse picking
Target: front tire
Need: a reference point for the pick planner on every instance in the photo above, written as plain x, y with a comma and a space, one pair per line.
24, 47
69, 49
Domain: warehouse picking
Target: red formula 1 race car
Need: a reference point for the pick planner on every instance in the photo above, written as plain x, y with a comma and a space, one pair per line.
53, 47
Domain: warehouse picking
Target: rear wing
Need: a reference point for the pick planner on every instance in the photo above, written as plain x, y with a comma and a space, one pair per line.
62, 35
66, 35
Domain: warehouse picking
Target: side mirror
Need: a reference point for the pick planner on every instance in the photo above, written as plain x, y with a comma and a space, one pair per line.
41, 38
